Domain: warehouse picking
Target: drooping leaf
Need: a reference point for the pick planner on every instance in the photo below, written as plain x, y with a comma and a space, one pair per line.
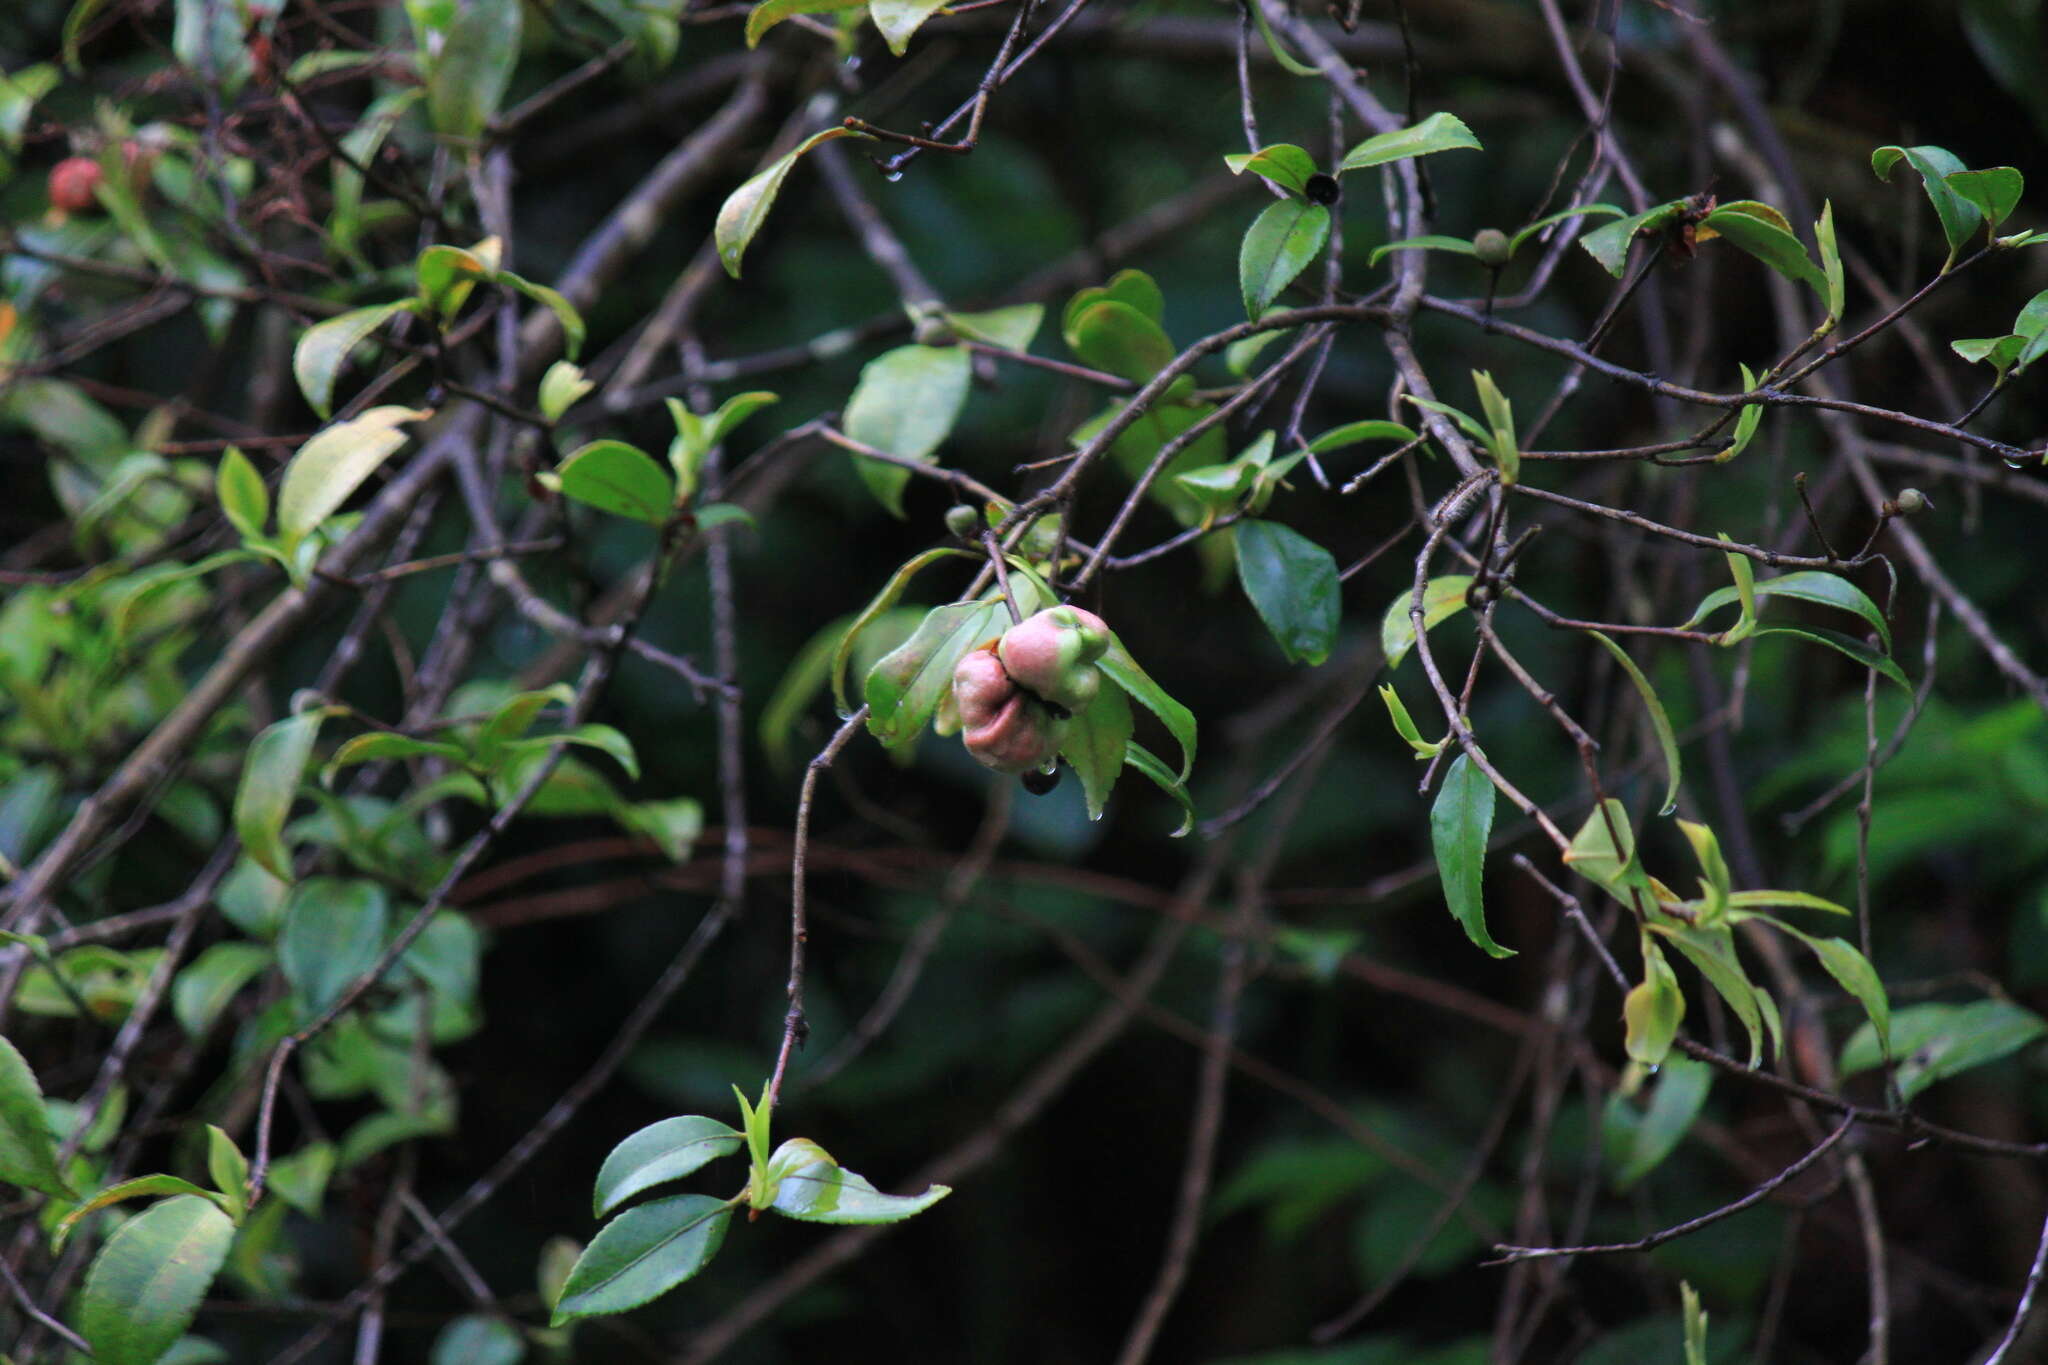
1120, 668
1763, 232
567, 315
1805, 585
1440, 132
769, 13
618, 478
1604, 853
141, 1187
447, 275
1637, 1143
1442, 598
642, 1254
381, 746
883, 602
1843, 644
331, 466
325, 347
898, 19
1148, 763
1094, 745
470, 74
270, 780
1653, 1009
146, 1284
660, 1152
28, 1149
333, 931
1428, 242
1281, 243
906, 403
1959, 217
1351, 433
1667, 738
1712, 950
1283, 163
1460, 822
1292, 582
746, 208
1853, 972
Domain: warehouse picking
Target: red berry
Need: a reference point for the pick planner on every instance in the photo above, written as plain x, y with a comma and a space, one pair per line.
72, 182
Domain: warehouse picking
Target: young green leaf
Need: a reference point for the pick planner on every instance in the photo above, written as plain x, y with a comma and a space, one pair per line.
1609, 243
1712, 951
1763, 232
1995, 193
1836, 291
561, 388
1604, 853
243, 497
1095, 743
617, 478
1283, 163
660, 1152
906, 403
333, 932
746, 208
1667, 738
1437, 133
1011, 328
1500, 423
1404, 725
813, 1188
1459, 823
1695, 1324
1959, 217
2000, 352
229, 1171
1292, 581
1637, 1143
1746, 423
1442, 598
146, 1284
1653, 1009
325, 347
448, 274
1745, 593
270, 780
642, 1254
333, 465
1428, 242
567, 316
28, 1150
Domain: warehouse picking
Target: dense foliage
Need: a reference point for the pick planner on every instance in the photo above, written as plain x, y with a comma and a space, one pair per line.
1334, 687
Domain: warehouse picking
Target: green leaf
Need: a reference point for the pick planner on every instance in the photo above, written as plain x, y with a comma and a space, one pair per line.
905, 685
1695, 1324
270, 779
18, 95
561, 388
741, 406
1239, 356
1652, 1010
769, 13
1094, 745
300, 1179
146, 1284
142, 1187
1288, 61
642, 1254
1667, 738
325, 347
1637, 1143
1351, 433
1740, 900
896, 20
243, 497
1745, 592
333, 932
447, 275
1763, 232
1934, 1042
28, 1150
816, 1189
1459, 823
228, 1169
1609, 244
333, 465
566, 314
478, 1339
2001, 352
1521, 235
1292, 581
1854, 648
1148, 763
1959, 217
1853, 972
381, 1132
1283, 163
1011, 328
883, 601
906, 403
1281, 243
1712, 951
1836, 290
1466, 422
211, 982
620, 479
1994, 192
1746, 422
1428, 242
1120, 668
1500, 424
1404, 725
660, 1152
1442, 598
746, 208
1114, 336
1807, 585
1437, 133
381, 746
1595, 855
470, 74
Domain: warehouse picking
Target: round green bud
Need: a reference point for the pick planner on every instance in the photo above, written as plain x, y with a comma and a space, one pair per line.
1492, 248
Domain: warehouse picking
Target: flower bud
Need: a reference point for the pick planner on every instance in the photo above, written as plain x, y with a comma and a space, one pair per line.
72, 182
1053, 655
1912, 502
1492, 247
964, 522
1003, 726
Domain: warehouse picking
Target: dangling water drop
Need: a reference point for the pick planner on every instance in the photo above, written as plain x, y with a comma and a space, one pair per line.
892, 176
2019, 461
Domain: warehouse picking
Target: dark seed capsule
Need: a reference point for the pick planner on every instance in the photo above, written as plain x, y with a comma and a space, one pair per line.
1322, 189
1039, 783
